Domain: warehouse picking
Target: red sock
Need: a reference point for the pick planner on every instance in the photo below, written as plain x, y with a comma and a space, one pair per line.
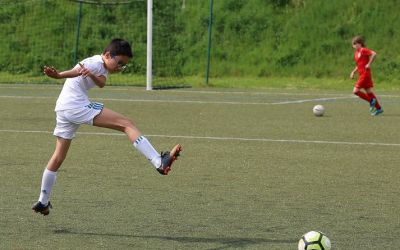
372, 95
364, 96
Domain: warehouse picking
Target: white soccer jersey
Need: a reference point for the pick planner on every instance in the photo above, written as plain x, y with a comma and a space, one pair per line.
75, 91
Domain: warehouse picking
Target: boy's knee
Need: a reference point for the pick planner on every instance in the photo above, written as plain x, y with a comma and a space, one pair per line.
129, 123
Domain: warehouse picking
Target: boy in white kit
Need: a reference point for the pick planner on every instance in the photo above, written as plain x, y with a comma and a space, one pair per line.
74, 108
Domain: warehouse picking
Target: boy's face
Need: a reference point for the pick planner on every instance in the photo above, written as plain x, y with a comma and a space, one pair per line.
357, 45
115, 63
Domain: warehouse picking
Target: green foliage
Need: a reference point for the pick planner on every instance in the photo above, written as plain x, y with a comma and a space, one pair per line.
257, 38
300, 38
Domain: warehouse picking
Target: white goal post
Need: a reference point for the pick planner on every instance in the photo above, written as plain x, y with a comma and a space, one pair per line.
149, 65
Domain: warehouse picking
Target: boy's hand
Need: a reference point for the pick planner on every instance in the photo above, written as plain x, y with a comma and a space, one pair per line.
352, 75
51, 72
84, 71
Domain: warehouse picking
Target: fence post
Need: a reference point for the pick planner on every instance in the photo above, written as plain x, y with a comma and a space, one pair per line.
78, 28
210, 21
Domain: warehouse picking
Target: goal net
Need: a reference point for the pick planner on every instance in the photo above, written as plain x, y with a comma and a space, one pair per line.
34, 33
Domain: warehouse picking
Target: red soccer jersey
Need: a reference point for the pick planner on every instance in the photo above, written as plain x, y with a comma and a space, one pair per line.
361, 56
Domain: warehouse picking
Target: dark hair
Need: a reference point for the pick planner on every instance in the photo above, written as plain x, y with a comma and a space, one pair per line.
358, 39
119, 47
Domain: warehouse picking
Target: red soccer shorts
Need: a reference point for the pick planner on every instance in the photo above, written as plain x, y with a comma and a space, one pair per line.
364, 82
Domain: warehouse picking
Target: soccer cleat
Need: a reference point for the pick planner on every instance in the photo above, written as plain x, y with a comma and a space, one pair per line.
167, 158
38, 207
377, 112
372, 105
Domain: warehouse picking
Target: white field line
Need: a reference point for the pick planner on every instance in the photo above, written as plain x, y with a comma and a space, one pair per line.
196, 102
215, 138
311, 100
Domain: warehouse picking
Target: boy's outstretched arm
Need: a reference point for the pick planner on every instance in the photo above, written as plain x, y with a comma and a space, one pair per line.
77, 71
53, 73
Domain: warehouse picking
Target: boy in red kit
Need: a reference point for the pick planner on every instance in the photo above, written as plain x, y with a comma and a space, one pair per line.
364, 57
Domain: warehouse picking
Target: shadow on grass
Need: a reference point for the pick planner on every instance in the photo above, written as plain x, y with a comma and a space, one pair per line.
227, 242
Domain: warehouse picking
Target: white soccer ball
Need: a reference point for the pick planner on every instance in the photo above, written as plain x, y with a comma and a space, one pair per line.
318, 110
314, 240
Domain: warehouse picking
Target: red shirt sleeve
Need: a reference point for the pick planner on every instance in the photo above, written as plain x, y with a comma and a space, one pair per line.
366, 52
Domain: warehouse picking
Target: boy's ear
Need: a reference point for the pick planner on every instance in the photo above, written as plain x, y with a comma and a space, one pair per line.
107, 54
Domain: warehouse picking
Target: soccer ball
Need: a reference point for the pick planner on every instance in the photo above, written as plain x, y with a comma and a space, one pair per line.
318, 110
314, 240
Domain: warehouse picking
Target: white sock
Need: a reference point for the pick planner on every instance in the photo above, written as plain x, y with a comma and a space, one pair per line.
48, 180
144, 146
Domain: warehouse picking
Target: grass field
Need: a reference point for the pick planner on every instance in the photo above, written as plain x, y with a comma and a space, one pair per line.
258, 170
246, 82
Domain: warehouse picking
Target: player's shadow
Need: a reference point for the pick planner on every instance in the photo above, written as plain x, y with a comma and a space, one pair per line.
226, 242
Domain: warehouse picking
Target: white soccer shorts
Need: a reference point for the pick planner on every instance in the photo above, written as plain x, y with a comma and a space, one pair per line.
68, 121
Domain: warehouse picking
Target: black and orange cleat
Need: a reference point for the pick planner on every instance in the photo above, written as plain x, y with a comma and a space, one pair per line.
38, 207
167, 158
